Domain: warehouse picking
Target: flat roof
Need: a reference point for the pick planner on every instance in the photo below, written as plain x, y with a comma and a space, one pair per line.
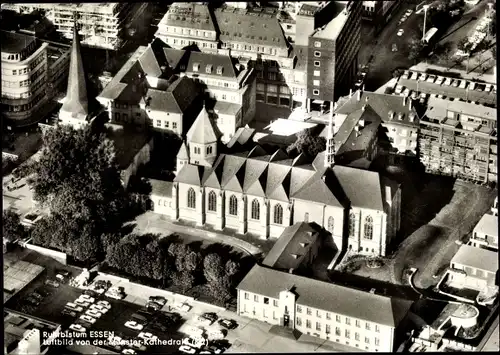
477, 258
438, 108
488, 224
161, 188
18, 275
285, 127
333, 28
327, 296
12, 42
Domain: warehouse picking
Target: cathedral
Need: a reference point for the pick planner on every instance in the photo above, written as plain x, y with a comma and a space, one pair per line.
262, 192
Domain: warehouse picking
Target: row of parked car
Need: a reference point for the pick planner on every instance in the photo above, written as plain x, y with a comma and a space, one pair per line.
441, 80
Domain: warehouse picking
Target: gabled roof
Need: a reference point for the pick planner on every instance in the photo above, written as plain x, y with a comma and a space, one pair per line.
327, 296
149, 63
360, 140
362, 187
175, 57
382, 105
316, 190
190, 174
291, 247
214, 61
250, 28
203, 130
176, 99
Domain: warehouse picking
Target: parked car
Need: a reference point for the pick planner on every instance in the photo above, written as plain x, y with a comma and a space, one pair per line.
98, 308
87, 298
88, 319
129, 351
147, 336
134, 325
158, 299
216, 334
32, 301
93, 313
210, 315
194, 343
68, 312
37, 296
159, 326
74, 307
408, 12
153, 306
62, 274
400, 32
187, 349
195, 332
105, 304
82, 303
228, 323
52, 283
90, 293
78, 328
43, 292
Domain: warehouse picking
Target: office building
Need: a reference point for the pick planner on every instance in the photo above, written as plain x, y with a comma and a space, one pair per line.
24, 77
459, 139
101, 24
362, 320
485, 233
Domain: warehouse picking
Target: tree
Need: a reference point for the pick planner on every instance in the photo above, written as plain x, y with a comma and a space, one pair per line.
464, 45
212, 268
232, 268
192, 261
308, 143
184, 280
12, 227
416, 47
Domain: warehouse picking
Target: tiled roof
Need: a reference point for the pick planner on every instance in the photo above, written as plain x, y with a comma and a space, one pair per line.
362, 187
358, 141
382, 104
241, 136
226, 108
449, 91
327, 296
250, 28
12, 42
183, 153
437, 108
190, 174
161, 188
213, 61
175, 57
277, 176
176, 99
291, 247
477, 258
149, 63
488, 224
189, 15
203, 129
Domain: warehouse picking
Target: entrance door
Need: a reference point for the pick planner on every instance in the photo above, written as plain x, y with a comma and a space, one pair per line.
286, 320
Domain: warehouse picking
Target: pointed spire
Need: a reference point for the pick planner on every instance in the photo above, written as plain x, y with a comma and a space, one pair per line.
76, 101
330, 142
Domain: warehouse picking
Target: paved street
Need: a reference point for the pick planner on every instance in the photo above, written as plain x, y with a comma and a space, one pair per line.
492, 342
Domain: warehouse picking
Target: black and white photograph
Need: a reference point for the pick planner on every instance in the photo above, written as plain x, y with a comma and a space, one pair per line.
249, 177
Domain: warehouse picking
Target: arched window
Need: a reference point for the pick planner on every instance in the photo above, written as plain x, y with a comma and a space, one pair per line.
255, 209
352, 224
191, 198
233, 205
369, 227
330, 224
212, 201
306, 217
278, 214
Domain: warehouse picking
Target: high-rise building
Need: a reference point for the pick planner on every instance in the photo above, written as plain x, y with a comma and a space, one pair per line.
24, 77
101, 24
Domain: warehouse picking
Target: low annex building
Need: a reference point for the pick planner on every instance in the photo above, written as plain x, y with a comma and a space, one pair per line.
485, 233
362, 320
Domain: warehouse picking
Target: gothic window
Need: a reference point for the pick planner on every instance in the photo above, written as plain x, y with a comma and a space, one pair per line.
352, 224
212, 201
233, 205
330, 224
278, 214
255, 209
191, 198
369, 227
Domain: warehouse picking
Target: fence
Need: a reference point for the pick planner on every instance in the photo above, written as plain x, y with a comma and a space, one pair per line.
59, 256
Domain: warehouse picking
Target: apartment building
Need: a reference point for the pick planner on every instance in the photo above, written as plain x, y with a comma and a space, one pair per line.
25, 74
459, 139
101, 24
261, 37
398, 116
416, 83
485, 233
363, 320
161, 87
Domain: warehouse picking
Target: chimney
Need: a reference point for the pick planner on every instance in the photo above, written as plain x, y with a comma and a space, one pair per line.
237, 66
363, 107
411, 116
359, 95
350, 92
404, 100
400, 116
356, 128
290, 271
323, 178
410, 104
372, 290
361, 122
391, 115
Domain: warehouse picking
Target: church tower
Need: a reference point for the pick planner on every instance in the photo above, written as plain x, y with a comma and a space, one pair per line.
202, 140
330, 142
76, 108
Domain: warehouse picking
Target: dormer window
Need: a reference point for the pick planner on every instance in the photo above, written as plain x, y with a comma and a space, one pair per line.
196, 66
209, 68
219, 69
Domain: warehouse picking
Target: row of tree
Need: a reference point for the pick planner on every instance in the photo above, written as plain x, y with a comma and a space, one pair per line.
178, 264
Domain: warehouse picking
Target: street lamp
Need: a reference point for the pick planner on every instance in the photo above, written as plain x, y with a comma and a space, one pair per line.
425, 20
